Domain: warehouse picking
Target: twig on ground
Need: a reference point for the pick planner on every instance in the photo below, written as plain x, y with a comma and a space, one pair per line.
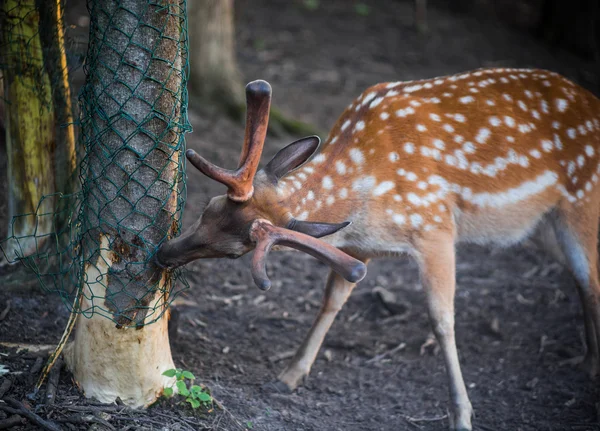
53, 382
5, 311
37, 366
103, 409
17, 408
281, 356
63, 339
4, 387
86, 419
415, 421
12, 421
390, 352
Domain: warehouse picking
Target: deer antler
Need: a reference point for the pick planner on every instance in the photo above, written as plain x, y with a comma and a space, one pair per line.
239, 181
266, 236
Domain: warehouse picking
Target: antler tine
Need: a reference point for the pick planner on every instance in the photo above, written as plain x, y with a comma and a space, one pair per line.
239, 182
266, 236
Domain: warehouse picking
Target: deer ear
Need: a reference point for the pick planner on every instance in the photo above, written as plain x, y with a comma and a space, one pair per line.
316, 229
292, 157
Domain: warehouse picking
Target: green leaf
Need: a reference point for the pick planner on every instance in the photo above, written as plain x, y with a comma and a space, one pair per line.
167, 392
182, 387
195, 389
195, 403
204, 397
169, 373
362, 9
249, 425
188, 375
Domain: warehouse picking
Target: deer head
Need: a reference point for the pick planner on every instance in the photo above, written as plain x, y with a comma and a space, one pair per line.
251, 215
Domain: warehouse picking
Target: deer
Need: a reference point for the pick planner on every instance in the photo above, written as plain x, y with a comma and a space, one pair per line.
488, 156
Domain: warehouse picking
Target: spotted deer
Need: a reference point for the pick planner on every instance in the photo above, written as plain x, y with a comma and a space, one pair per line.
417, 167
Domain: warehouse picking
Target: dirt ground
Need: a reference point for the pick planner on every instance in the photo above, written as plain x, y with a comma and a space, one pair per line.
518, 315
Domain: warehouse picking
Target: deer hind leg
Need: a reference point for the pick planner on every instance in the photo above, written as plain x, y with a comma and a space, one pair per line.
576, 231
436, 258
337, 292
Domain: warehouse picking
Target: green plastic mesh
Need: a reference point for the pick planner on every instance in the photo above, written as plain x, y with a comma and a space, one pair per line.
100, 239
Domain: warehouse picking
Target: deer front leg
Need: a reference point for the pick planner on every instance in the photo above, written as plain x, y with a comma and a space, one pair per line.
436, 257
337, 292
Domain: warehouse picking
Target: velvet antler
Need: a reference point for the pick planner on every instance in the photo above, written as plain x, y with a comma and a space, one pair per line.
265, 235
239, 181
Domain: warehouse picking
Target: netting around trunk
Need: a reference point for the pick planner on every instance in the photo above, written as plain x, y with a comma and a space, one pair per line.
100, 238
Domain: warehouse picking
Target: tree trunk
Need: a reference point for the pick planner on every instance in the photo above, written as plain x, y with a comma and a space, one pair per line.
30, 139
132, 125
55, 59
214, 76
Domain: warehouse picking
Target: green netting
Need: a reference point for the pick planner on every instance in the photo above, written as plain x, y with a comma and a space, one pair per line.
100, 238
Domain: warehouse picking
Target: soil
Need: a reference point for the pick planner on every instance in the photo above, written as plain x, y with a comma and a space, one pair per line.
518, 317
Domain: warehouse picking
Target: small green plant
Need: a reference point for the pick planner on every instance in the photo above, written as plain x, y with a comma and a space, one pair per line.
195, 395
311, 4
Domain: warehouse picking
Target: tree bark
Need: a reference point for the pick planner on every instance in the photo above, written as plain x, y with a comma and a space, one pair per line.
132, 125
30, 138
214, 76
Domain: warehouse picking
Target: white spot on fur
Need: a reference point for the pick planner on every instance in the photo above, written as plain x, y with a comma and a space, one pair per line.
303, 216
330, 200
375, 102
536, 154
421, 128
416, 220
345, 125
522, 105
327, 182
448, 128
411, 176
384, 116
580, 161
394, 156
495, 121
483, 135
561, 105
435, 117
589, 150
340, 167
466, 99
359, 126
344, 193
469, 148
399, 219
357, 156
364, 184
412, 88
409, 147
571, 133
439, 144
319, 158
510, 121
383, 188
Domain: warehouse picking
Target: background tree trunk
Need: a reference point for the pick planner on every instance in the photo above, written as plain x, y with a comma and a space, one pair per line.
132, 124
30, 138
214, 76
